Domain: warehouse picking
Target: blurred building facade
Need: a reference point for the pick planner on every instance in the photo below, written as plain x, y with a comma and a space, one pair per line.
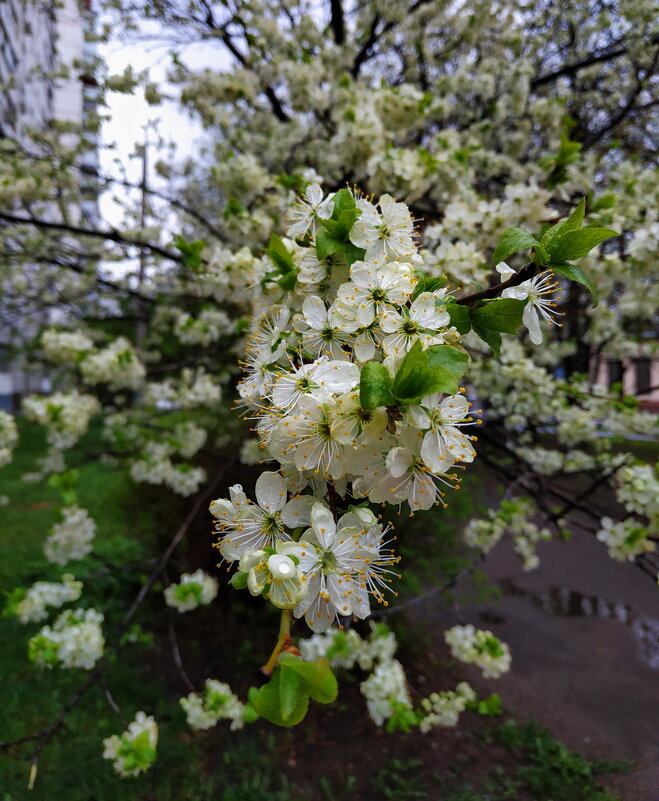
38, 38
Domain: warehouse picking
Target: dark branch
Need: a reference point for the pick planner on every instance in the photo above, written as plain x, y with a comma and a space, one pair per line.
338, 21
111, 235
527, 271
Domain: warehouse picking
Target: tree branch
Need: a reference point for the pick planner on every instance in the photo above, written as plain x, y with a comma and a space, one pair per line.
527, 271
338, 21
111, 235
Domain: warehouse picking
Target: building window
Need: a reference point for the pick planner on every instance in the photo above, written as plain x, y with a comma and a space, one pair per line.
615, 372
642, 371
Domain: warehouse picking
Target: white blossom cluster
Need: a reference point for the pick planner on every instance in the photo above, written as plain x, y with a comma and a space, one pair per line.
116, 365
309, 413
481, 648
42, 594
445, 708
638, 491
193, 590
8, 437
217, 702
345, 649
625, 540
156, 467
192, 389
385, 689
207, 327
65, 347
512, 517
65, 415
133, 751
72, 537
75, 640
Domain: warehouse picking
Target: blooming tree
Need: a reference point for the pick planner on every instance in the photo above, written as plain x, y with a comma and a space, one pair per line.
366, 327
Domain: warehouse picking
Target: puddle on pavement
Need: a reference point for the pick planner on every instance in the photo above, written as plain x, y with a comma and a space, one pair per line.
564, 602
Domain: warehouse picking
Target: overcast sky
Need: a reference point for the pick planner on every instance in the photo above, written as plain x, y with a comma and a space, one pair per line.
130, 113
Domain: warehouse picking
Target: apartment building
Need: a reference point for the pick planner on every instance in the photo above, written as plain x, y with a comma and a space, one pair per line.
37, 37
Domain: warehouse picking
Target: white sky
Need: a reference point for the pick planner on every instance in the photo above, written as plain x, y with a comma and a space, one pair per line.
130, 113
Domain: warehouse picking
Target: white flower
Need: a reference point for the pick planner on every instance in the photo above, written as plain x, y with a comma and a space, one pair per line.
385, 235
339, 555
43, 594
419, 322
324, 334
278, 573
443, 443
481, 648
134, 751
245, 526
217, 702
193, 590
64, 347
75, 640
504, 271
370, 289
535, 291
352, 421
72, 537
385, 686
322, 378
625, 540
410, 478
308, 437
309, 208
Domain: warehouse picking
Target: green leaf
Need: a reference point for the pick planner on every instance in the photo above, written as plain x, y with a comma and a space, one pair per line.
604, 202
341, 226
576, 244
491, 338
423, 372
238, 581
190, 251
328, 244
375, 386
319, 681
575, 273
459, 317
283, 700
280, 255
512, 240
572, 223
503, 315
343, 200
435, 283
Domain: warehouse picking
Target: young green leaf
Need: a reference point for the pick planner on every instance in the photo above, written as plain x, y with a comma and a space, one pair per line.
575, 244
283, 700
319, 681
575, 273
572, 223
423, 372
190, 251
512, 240
280, 255
328, 244
491, 338
503, 315
375, 386
459, 317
